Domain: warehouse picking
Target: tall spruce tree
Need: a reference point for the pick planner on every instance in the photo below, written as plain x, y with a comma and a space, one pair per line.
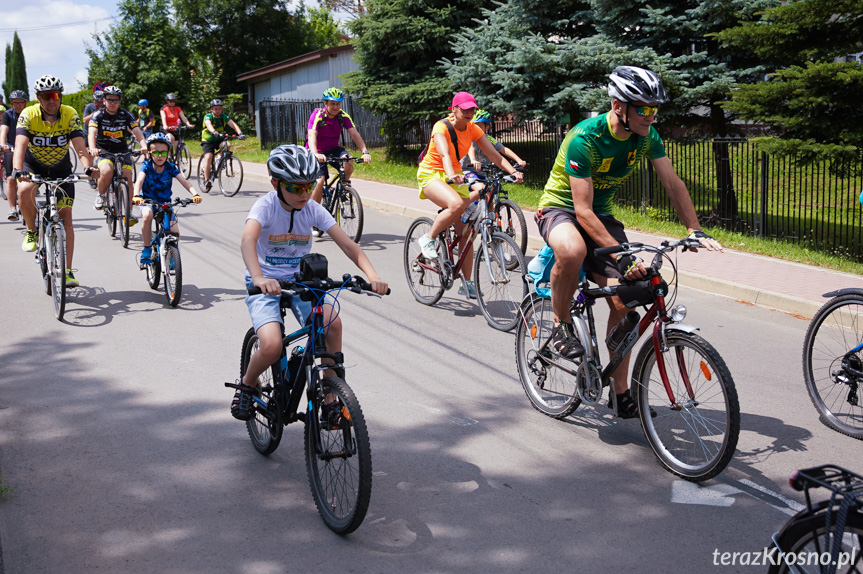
814, 97
527, 59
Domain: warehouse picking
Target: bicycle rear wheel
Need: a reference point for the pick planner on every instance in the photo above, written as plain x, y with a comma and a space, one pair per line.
348, 212
829, 364
123, 211
499, 279
551, 391
696, 439
805, 536
231, 176
511, 220
425, 278
339, 457
265, 427
57, 270
184, 160
154, 269
110, 208
173, 275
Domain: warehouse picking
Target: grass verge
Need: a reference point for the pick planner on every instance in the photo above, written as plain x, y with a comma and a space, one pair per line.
399, 173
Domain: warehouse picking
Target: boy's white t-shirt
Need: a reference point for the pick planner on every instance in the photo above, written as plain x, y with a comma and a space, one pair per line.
285, 235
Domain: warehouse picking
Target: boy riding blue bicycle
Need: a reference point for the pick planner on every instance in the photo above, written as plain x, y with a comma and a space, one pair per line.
277, 234
154, 183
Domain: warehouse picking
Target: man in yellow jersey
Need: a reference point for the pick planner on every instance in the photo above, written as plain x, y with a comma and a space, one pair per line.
42, 139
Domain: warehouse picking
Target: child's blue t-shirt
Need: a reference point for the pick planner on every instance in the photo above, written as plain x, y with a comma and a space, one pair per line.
157, 186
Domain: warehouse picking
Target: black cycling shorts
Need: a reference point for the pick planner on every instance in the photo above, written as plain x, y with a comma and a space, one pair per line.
66, 194
547, 218
211, 147
332, 152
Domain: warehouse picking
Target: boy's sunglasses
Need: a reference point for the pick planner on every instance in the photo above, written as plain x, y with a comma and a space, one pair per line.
48, 96
298, 188
112, 100
646, 110
159, 153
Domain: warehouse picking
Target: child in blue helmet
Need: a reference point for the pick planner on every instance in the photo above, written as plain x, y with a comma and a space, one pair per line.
154, 183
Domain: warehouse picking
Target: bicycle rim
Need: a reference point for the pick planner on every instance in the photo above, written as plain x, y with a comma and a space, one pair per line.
185, 160
511, 220
202, 181
425, 278
348, 212
265, 427
123, 211
837, 394
42, 256
110, 207
57, 269
696, 439
807, 538
338, 458
499, 279
173, 275
231, 176
550, 390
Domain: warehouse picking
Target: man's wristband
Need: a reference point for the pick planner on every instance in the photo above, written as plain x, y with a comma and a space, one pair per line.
88, 170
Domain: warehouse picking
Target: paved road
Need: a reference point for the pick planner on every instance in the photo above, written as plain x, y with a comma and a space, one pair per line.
117, 439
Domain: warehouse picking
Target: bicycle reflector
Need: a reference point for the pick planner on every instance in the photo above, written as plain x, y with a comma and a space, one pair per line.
706, 371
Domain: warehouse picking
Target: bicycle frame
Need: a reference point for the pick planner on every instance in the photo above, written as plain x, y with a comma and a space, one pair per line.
657, 316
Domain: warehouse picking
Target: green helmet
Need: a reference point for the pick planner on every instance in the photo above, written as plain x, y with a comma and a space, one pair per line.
334, 94
481, 116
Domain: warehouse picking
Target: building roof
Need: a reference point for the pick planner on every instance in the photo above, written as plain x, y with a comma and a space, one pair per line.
293, 62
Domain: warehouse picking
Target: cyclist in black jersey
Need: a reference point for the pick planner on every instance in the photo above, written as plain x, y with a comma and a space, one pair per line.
109, 128
8, 122
42, 139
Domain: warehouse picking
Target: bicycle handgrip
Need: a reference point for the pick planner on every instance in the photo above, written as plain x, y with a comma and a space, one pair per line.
600, 251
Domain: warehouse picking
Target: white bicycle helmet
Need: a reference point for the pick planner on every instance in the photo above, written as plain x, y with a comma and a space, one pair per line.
48, 83
632, 84
158, 137
293, 164
112, 91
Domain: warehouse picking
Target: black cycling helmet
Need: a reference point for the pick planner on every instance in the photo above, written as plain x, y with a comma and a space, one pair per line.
97, 95
216, 102
632, 84
18, 95
170, 97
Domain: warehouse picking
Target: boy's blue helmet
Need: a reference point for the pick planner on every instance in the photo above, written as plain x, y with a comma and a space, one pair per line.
143, 103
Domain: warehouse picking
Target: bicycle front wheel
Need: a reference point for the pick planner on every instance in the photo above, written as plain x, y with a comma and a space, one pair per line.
511, 220
806, 537
551, 391
57, 269
348, 212
695, 438
184, 160
231, 176
425, 278
498, 274
339, 457
173, 275
111, 212
202, 181
42, 255
123, 212
265, 427
830, 363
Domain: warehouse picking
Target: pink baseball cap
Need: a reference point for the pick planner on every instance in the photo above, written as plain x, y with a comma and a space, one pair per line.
463, 100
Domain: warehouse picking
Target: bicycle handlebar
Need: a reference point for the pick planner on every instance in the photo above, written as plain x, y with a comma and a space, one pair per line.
71, 178
299, 287
345, 159
112, 155
633, 248
182, 202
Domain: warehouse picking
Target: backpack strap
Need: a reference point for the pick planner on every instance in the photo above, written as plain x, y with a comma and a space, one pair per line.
453, 137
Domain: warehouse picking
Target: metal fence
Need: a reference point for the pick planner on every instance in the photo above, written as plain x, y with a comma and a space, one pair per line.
285, 121
735, 186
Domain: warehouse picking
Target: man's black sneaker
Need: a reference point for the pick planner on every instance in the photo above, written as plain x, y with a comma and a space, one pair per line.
565, 342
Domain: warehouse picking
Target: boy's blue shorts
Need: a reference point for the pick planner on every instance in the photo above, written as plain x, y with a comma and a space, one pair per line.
264, 309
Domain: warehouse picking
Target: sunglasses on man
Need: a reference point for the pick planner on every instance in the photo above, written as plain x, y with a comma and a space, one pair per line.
646, 110
49, 96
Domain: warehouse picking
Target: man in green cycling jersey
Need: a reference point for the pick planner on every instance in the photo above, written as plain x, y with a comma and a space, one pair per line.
575, 218
216, 124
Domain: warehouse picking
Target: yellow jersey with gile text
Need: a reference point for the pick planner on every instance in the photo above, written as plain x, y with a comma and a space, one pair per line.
49, 141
